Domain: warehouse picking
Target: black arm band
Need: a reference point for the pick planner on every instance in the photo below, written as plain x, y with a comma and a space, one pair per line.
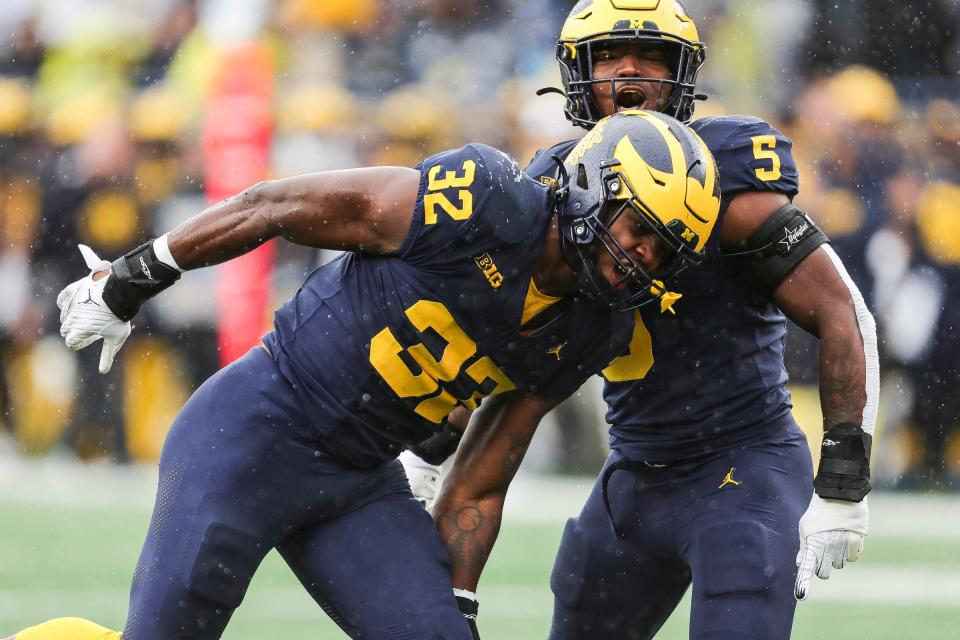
134, 279
437, 448
844, 472
778, 246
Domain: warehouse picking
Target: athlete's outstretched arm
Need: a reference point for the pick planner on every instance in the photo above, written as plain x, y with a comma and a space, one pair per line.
819, 295
469, 508
365, 210
816, 298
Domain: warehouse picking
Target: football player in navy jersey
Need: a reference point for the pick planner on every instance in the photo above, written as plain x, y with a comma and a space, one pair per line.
709, 480
463, 278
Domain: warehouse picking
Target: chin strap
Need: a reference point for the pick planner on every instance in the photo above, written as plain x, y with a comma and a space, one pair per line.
560, 192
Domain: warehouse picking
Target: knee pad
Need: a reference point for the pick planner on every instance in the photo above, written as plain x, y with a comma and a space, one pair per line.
224, 565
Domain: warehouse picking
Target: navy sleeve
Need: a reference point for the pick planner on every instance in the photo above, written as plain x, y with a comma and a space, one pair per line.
543, 163
751, 155
471, 200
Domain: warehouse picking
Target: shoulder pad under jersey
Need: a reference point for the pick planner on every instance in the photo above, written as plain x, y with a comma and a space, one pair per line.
543, 164
751, 155
472, 198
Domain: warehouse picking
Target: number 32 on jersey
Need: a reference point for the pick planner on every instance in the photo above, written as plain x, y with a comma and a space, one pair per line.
460, 180
458, 366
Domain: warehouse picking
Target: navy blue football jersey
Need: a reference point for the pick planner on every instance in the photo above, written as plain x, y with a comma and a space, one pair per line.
706, 372
382, 349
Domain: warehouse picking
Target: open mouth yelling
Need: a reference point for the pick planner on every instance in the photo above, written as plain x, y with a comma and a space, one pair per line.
630, 98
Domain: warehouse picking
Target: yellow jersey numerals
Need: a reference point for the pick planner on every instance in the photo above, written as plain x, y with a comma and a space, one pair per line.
764, 149
436, 401
450, 180
637, 362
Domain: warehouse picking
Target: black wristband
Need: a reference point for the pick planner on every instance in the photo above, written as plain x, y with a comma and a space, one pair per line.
844, 472
437, 448
469, 608
134, 279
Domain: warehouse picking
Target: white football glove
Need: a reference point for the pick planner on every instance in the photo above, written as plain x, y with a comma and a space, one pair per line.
424, 478
831, 534
85, 318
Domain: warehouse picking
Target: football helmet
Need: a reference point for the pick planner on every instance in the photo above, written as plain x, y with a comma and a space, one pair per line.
660, 23
647, 165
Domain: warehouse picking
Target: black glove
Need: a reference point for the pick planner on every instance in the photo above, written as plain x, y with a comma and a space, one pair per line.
469, 610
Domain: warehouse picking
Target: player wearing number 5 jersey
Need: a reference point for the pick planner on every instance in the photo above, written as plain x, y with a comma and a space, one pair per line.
464, 278
710, 480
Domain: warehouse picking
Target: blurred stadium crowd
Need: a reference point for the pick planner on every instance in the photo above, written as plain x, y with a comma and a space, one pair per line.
108, 115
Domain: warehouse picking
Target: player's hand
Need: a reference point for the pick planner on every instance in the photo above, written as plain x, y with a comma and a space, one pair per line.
831, 534
85, 317
469, 608
424, 478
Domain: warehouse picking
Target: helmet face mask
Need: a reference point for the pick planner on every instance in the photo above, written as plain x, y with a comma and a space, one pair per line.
636, 286
597, 24
644, 170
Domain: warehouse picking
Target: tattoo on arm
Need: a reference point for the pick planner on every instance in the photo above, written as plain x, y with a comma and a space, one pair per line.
842, 378
511, 461
471, 530
815, 297
464, 540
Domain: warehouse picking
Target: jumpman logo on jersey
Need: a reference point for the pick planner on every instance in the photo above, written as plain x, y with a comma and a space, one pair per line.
556, 350
728, 479
89, 300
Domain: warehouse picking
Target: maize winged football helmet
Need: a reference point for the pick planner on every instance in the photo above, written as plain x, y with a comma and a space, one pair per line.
647, 165
660, 23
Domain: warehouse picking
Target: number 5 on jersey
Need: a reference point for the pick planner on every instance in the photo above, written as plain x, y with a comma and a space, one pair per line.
449, 180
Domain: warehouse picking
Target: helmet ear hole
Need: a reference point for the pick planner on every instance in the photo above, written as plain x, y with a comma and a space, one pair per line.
582, 176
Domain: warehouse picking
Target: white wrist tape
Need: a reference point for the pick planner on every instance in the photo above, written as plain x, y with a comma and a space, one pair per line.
162, 250
463, 593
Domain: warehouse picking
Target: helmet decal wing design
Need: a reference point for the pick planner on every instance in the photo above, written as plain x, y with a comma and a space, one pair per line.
657, 188
655, 174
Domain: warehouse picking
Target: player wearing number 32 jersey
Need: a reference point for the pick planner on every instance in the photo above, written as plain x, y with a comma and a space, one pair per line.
462, 279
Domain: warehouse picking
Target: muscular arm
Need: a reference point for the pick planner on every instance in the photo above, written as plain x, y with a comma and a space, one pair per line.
815, 297
470, 506
354, 210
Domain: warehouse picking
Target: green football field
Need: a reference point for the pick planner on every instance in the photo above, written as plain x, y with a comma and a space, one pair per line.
70, 536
